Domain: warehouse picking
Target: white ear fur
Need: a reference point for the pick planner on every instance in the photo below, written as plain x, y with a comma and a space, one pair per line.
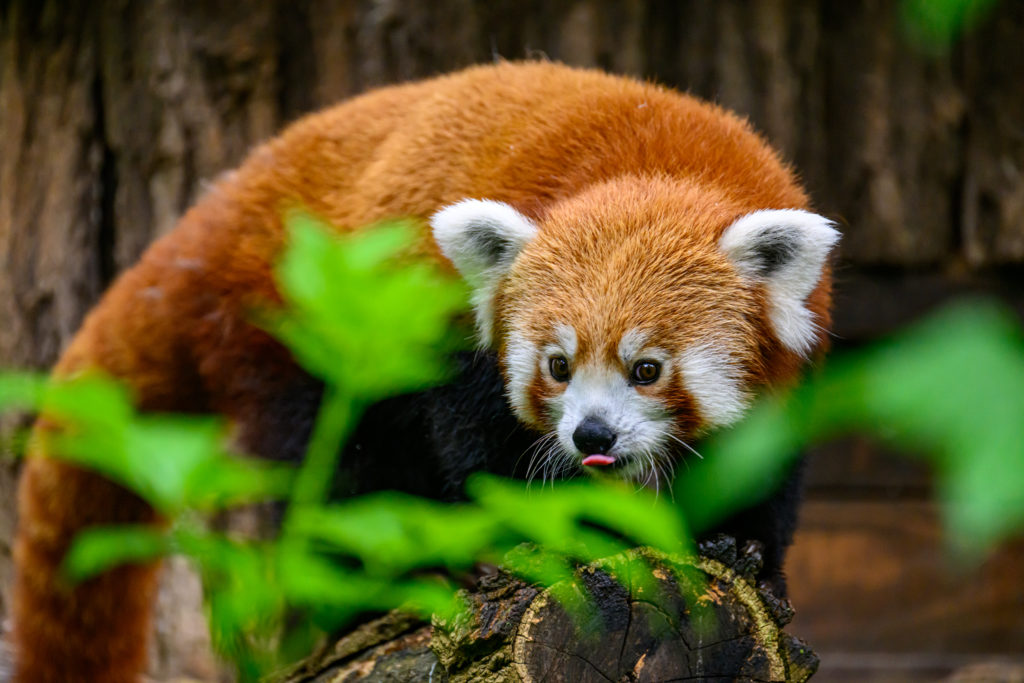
785, 249
482, 238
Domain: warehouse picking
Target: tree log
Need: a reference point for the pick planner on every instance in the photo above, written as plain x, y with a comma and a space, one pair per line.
661, 619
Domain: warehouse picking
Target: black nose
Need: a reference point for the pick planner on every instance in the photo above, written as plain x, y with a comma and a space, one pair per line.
593, 436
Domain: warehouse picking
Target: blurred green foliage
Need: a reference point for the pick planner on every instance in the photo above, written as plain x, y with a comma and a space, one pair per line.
933, 26
175, 462
951, 390
361, 312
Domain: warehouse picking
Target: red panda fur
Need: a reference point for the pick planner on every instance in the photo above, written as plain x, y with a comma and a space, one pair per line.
537, 136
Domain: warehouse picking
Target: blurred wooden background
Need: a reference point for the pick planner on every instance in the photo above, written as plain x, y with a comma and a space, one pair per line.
114, 113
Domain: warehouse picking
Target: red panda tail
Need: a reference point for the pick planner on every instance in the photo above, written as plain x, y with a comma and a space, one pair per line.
175, 330
96, 630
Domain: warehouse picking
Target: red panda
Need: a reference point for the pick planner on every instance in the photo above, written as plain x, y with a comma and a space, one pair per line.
641, 264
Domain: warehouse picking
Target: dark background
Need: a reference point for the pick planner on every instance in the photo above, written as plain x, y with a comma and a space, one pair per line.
114, 113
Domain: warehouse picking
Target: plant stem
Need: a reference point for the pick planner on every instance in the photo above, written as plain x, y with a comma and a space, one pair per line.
332, 425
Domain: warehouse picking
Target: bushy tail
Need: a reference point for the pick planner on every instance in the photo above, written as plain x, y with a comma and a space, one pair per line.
96, 630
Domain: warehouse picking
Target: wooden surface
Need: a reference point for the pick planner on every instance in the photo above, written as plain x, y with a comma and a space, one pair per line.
916, 614
874, 588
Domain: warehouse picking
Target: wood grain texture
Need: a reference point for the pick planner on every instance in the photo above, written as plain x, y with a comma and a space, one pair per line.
993, 183
186, 89
116, 114
50, 180
871, 577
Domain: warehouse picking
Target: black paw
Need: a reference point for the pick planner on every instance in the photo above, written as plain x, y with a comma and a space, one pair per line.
719, 547
750, 560
781, 609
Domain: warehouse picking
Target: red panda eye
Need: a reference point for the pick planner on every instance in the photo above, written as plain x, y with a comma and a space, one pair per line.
559, 368
645, 371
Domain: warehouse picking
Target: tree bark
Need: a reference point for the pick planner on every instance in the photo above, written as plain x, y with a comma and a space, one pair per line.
114, 114
658, 620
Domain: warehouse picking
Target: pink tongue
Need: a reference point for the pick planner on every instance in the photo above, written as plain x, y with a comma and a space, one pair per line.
598, 460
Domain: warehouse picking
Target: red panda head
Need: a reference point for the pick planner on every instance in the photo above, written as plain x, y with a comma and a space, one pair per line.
637, 315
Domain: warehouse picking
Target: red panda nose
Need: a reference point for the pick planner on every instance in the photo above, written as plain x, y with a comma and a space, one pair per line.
593, 436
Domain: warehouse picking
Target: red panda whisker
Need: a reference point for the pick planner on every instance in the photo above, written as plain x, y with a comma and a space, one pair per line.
566, 464
571, 462
646, 460
684, 445
551, 457
661, 466
544, 463
670, 475
668, 472
533, 447
535, 450
655, 475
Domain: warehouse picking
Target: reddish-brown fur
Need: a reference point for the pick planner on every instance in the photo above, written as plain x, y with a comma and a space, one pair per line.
555, 143
654, 259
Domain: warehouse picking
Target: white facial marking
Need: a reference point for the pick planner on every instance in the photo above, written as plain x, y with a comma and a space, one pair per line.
630, 345
482, 238
632, 348
564, 345
565, 335
520, 360
713, 379
786, 250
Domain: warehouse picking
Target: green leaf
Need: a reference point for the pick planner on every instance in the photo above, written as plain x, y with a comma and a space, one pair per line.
227, 481
97, 549
361, 312
21, 391
313, 580
92, 400
950, 389
933, 26
555, 517
392, 533
155, 456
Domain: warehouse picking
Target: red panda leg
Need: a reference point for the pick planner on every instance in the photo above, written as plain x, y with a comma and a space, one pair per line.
96, 630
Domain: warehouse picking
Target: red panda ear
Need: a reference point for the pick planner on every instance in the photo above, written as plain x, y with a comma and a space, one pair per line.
785, 250
482, 238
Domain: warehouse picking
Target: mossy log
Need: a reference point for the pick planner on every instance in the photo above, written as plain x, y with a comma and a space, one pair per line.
652, 619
